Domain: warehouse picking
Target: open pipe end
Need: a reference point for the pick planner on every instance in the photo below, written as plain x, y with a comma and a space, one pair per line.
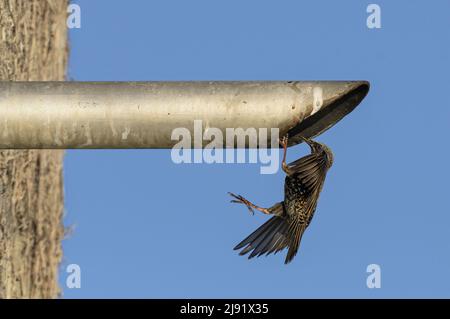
333, 110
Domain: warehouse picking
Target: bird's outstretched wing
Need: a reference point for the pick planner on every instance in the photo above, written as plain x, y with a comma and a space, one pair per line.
309, 172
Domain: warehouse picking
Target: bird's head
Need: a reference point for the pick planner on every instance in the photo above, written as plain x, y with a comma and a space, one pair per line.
329, 154
317, 147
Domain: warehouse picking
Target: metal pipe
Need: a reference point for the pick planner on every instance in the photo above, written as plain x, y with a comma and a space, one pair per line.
143, 114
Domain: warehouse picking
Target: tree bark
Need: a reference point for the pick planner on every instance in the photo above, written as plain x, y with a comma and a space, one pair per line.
33, 46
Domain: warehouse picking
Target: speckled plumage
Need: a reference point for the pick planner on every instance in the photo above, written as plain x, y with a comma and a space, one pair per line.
303, 183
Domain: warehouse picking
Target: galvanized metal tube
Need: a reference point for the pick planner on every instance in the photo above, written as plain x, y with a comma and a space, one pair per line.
143, 114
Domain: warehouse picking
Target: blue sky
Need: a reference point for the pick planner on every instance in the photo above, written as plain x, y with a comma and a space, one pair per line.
146, 227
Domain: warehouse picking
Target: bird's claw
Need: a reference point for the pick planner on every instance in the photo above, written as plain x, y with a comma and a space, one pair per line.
241, 200
284, 141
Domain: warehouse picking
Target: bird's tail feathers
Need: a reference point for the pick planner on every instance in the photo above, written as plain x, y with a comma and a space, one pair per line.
271, 237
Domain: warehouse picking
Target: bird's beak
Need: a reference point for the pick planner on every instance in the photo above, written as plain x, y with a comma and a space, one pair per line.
307, 141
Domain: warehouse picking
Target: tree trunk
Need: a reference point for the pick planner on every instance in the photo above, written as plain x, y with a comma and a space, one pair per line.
33, 46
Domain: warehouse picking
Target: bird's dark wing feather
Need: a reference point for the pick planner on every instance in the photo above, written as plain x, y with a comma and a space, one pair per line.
310, 171
303, 163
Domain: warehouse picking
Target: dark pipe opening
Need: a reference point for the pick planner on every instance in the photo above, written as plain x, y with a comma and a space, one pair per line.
328, 116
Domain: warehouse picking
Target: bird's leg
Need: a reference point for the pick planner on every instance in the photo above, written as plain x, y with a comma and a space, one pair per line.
284, 166
241, 200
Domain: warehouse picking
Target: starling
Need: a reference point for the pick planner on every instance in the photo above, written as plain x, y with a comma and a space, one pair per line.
302, 186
